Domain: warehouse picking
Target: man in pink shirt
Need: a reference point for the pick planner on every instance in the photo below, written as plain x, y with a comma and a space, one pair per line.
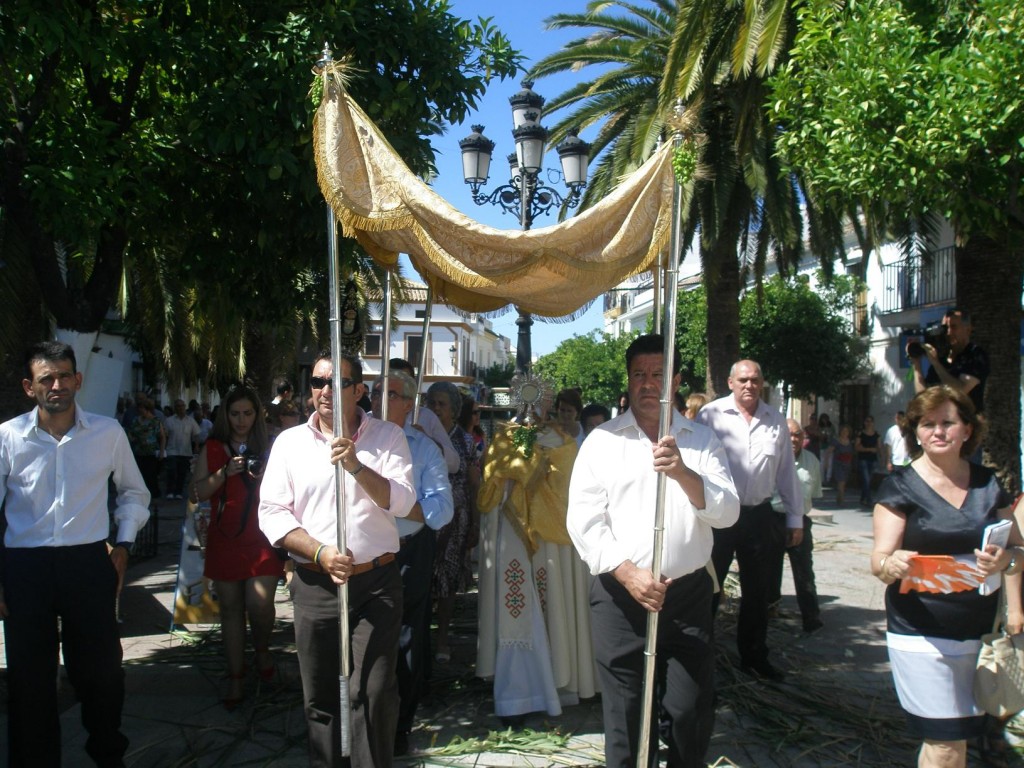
298, 510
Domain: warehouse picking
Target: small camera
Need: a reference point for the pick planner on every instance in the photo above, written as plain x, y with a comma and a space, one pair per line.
253, 465
253, 462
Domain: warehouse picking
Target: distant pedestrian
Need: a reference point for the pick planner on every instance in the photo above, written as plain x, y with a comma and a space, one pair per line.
895, 445
867, 445
182, 445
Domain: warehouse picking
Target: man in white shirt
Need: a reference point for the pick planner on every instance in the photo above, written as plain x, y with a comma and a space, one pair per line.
434, 508
182, 437
896, 454
298, 511
808, 470
55, 464
756, 441
612, 499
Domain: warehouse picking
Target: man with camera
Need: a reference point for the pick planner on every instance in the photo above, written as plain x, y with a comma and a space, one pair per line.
955, 360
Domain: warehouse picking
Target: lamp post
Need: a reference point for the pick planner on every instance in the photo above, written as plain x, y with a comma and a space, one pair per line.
525, 196
454, 352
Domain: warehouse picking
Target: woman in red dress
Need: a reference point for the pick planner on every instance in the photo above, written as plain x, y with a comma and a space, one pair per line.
239, 559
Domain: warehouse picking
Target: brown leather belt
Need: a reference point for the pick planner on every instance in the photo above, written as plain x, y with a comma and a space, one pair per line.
357, 569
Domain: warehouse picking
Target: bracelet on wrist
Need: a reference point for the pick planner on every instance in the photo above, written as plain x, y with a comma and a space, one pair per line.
881, 567
356, 471
316, 555
1011, 566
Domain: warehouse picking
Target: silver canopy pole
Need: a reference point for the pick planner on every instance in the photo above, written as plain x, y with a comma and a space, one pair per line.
338, 427
423, 353
667, 406
385, 370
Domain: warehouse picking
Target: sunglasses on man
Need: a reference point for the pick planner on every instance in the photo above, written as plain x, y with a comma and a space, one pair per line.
319, 382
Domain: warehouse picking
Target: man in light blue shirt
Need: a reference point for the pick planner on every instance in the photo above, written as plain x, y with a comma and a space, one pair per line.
433, 509
55, 463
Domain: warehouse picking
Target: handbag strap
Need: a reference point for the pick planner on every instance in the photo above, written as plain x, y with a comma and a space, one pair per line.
1000, 619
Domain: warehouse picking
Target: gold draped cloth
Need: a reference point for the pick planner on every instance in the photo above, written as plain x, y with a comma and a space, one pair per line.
538, 487
551, 271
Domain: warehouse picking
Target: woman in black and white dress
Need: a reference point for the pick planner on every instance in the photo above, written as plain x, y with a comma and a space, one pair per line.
940, 505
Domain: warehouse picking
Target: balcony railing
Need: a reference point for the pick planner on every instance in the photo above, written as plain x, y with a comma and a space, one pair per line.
919, 281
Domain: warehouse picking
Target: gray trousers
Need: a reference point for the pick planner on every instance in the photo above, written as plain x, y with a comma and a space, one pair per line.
375, 616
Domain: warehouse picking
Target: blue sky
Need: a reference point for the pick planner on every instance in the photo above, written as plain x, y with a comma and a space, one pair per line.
523, 23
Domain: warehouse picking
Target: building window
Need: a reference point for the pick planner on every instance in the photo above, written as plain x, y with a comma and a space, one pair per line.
371, 345
420, 314
413, 348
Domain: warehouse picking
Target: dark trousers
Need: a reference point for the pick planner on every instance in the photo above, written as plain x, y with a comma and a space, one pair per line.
375, 616
867, 471
801, 562
177, 473
77, 585
416, 563
754, 542
684, 692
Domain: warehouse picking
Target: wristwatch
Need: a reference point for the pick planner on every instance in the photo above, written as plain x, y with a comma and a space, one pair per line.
1013, 560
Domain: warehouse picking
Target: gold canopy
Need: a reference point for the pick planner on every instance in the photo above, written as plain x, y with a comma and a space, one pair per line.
550, 271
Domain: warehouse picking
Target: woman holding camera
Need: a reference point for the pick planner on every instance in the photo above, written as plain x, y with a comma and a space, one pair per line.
239, 559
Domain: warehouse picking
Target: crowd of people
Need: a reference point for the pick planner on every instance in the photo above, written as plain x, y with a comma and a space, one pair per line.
560, 505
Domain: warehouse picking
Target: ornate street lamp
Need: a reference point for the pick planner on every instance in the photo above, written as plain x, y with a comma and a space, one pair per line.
524, 195
455, 356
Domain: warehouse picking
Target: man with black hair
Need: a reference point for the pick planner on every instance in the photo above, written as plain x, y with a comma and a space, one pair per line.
612, 500
965, 366
593, 415
298, 511
283, 390
58, 570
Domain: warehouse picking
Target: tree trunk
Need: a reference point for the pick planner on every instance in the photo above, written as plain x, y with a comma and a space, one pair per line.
988, 277
723, 316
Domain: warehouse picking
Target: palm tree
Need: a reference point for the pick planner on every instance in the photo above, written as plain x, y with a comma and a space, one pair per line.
713, 56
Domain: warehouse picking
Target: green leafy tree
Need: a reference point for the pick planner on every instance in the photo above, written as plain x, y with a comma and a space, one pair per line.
595, 362
692, 337
802, 337
784, 309
160, 154
499, 374
914, 109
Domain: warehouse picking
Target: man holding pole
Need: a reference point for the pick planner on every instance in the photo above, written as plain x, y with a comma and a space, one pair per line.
298, 510
612, 500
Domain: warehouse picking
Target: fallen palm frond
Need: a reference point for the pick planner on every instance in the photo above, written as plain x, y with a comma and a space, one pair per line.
816, 717
526, 740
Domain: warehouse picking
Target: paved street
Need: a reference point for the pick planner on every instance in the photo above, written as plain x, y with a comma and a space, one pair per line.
836, 708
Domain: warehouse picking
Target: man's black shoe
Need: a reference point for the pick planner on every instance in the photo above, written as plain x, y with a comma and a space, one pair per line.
515, 722
813, 625
763, 670
401, 743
